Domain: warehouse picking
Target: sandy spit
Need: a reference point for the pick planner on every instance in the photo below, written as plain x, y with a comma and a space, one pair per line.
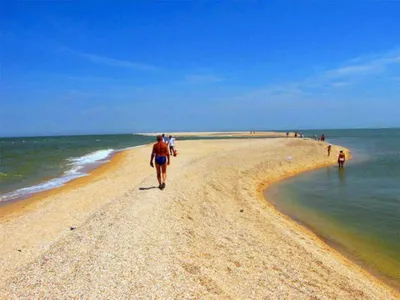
208, 235
222, 134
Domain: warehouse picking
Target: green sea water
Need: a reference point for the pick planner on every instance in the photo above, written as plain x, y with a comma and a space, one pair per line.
33, 164
356, 209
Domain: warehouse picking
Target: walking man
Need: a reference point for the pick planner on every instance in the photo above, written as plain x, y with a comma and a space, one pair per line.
171, 144
161, 157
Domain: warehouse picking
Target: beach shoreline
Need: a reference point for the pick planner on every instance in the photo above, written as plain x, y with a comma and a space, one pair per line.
343, 253
261, 182
15, 207
16, 204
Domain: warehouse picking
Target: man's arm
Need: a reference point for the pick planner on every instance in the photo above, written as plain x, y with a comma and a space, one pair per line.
152, 157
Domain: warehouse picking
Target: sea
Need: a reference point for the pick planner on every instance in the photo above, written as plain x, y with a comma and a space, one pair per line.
29, 165
357, 209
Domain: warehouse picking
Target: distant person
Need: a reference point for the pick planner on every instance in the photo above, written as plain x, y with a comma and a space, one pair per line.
161, 156
287, 134
295, 134
171, 144
322, 138
164, 139
341, 159
329, 148
315, 137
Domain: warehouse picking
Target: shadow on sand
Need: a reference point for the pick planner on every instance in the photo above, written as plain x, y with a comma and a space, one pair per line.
147, 188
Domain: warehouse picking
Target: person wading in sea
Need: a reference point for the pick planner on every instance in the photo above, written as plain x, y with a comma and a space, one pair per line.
341, 159
160, 154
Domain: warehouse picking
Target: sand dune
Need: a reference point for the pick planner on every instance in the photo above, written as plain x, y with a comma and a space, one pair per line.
208, 235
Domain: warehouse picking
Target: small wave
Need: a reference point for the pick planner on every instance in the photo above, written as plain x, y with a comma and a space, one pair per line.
51, 184
77, 164
91, 157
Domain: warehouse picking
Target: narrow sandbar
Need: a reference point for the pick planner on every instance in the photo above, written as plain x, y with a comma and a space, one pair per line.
222, 134
209, 234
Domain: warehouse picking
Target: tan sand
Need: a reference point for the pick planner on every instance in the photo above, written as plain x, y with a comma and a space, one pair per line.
208, 235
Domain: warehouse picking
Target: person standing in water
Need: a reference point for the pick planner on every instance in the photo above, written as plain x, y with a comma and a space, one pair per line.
341, 159
329, 148
161, 157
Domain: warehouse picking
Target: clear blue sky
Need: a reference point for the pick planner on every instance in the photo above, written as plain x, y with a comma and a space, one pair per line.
132, 66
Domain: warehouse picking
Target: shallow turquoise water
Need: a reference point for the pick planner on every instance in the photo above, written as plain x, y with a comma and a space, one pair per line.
358, 208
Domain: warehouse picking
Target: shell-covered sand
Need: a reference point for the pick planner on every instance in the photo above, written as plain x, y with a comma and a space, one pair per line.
208, 235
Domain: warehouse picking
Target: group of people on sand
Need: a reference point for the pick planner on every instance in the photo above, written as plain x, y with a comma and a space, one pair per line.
301, 135
161, 156
321, 138
341, 158
296, 134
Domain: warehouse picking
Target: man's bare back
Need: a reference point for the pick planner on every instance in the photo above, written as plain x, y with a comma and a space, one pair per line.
160, 149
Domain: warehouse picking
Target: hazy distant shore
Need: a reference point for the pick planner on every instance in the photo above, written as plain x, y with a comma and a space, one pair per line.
220, 134
209, 234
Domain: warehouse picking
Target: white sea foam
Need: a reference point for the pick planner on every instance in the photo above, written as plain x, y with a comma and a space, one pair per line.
77, 165
51, 184
91, 157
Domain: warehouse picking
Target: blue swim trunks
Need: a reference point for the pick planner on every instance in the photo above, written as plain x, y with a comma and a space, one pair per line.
160, 160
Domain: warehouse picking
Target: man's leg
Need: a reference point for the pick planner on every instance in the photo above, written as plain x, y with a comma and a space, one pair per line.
164, 172
158, 168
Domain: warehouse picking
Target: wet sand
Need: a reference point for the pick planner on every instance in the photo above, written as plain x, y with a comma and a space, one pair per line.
209, 234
